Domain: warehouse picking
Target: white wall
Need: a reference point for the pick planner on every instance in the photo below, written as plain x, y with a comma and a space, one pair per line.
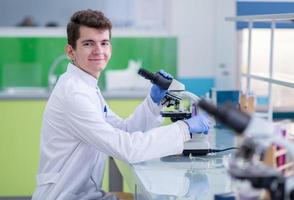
193, 22
227, 71
207, 44
43, 11
123, 13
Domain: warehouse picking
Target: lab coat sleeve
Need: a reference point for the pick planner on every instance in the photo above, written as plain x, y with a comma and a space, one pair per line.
145, 117
87, 124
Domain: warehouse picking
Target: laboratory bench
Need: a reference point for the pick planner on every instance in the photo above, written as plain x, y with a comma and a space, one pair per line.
179, 177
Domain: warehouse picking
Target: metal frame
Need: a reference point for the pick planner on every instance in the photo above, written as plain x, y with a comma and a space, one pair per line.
270, 80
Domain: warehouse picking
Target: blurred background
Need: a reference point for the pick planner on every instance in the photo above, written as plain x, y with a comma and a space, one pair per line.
189, 38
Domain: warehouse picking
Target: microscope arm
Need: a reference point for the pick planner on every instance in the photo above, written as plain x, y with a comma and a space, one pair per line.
194, 98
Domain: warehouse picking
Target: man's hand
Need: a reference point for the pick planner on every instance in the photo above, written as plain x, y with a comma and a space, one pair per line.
156, 92
198, 124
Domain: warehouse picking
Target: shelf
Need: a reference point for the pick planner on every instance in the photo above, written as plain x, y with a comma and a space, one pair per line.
61, 32
264, 18
270, 80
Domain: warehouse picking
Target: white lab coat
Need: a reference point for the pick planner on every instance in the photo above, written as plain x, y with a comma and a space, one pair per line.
79, 131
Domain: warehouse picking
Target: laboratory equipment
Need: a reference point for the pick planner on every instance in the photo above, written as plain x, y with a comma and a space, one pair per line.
258, 134
176, 92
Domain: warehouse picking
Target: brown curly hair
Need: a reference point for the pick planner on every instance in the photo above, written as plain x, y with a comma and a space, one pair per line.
89, 18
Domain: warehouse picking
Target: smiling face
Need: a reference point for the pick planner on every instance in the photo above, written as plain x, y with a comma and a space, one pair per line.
92, 52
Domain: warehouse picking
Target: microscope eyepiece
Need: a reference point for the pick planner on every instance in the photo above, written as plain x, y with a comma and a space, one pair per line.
146, 74
156, 78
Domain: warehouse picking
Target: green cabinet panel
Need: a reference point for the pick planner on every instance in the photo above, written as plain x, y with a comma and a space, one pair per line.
20, 125
25, 61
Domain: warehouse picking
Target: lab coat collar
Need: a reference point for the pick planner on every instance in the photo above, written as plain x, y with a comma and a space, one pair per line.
90, 80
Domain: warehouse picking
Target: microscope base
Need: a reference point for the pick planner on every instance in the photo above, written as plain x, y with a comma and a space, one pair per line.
199, 145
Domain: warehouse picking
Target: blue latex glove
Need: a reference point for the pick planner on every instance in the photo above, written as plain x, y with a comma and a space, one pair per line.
156, 92
198, 124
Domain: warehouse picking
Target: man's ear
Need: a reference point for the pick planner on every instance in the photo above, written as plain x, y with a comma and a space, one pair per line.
69, 51
110, 52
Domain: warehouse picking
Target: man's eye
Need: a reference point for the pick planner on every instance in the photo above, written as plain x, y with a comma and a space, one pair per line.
87, 44
105, 43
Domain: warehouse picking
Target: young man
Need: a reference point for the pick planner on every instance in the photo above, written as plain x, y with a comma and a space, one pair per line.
79, 130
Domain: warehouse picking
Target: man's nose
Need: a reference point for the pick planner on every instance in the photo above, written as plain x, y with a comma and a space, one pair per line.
98, 48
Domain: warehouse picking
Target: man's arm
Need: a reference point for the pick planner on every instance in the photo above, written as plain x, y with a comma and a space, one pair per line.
145, 117
87, 124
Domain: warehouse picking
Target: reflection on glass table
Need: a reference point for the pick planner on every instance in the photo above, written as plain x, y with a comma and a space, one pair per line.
178, 177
